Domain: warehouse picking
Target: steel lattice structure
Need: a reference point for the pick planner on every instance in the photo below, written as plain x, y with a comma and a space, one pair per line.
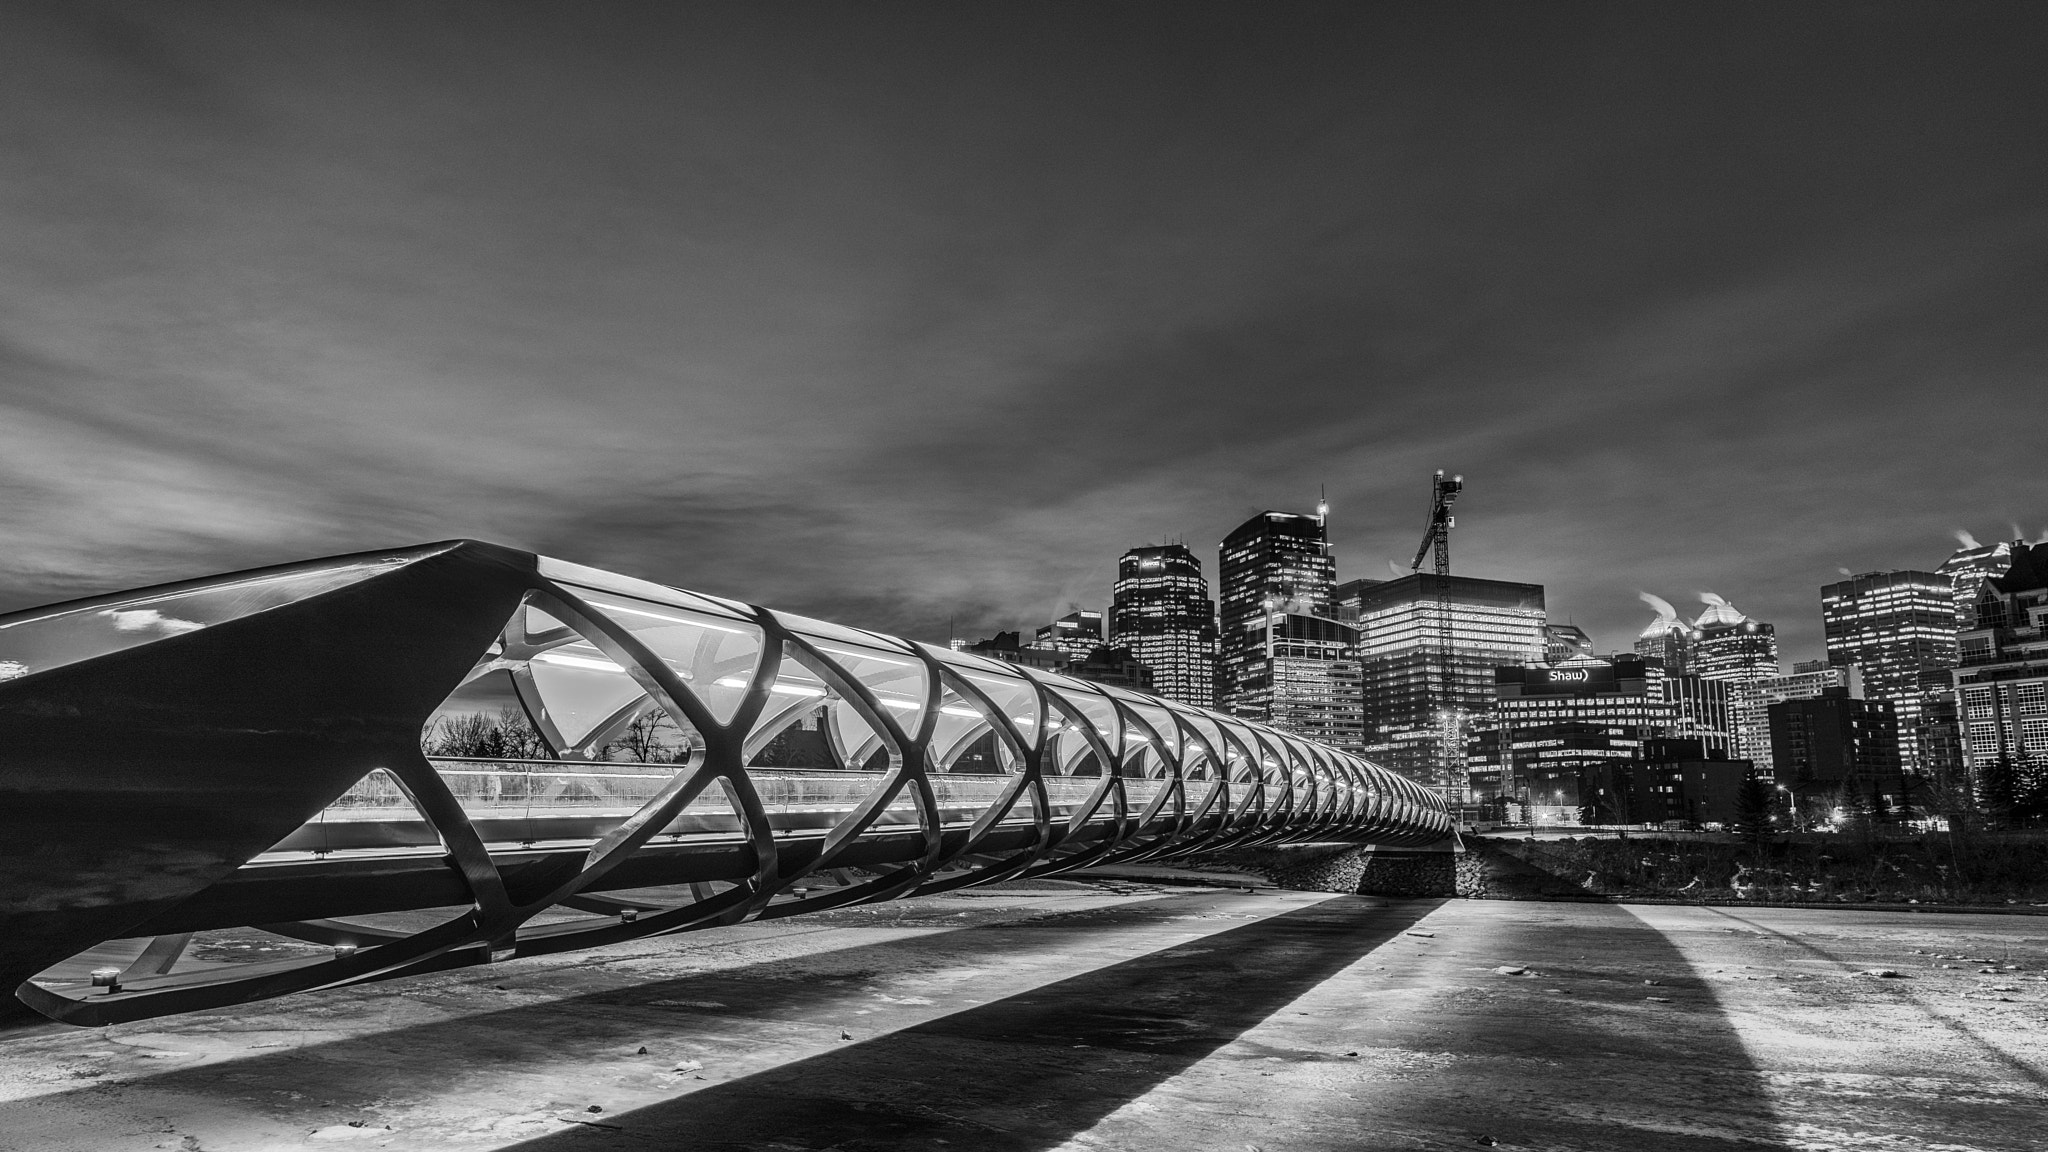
245, 750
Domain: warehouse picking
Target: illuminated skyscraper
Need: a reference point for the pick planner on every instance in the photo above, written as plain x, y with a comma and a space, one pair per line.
1899, 630
1304, 679
1419, 698
1742, 652
1668, 638
1161, 611
1967, 570
1275, 562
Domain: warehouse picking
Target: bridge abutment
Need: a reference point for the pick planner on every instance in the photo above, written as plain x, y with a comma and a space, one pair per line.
1367, 870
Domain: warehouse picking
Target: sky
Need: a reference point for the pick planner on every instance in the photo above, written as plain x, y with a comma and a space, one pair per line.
915, 316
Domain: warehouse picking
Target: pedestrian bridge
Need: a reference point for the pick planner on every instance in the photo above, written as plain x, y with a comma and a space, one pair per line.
460, 753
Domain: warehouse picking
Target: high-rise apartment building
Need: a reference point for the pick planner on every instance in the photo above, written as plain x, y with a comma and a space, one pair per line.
1740, 652
1899, 630
1077, 633
1275, 562
1161, 611
1422, 694
2002, 680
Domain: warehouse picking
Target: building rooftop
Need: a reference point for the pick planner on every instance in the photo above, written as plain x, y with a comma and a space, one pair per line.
1718, 612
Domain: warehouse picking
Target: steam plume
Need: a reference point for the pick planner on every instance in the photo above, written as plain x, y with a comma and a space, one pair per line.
1660, 605
1964, 538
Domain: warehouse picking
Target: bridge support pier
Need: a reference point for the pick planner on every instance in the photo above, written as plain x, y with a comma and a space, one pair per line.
1368, 870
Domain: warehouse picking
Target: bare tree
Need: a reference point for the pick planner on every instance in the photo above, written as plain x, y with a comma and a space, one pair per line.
507, 735
652, 738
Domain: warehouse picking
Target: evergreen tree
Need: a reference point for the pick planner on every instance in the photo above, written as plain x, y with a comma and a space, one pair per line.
1754, 805
1997, 791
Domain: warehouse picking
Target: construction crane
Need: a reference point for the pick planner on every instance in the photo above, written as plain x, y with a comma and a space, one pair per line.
1444, 702
1442, 493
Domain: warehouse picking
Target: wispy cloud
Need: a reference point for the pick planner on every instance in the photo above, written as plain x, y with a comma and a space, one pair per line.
822, 316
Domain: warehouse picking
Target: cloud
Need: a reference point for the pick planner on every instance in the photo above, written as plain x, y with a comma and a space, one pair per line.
149, 620
941, 334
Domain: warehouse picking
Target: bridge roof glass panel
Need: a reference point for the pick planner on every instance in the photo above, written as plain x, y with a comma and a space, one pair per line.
1162, 722
715, 655
840, 634
1095, 708
580, 690
897, 679
597, 579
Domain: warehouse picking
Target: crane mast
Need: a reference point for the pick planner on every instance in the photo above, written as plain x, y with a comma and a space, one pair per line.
1443, 703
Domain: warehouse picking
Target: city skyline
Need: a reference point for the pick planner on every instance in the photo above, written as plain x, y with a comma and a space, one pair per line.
737, 302
1708, 603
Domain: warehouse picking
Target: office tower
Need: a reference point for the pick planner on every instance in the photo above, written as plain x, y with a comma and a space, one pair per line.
1161, 611
1739, 651
1304, 679
1966, 571
1344, 598
1833, 751
1898, 627
1422, 693
1077, 633
1701, 712
1667, 638
2002, 680
1548, 722
1275, 562
1899, 630
1562, 642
